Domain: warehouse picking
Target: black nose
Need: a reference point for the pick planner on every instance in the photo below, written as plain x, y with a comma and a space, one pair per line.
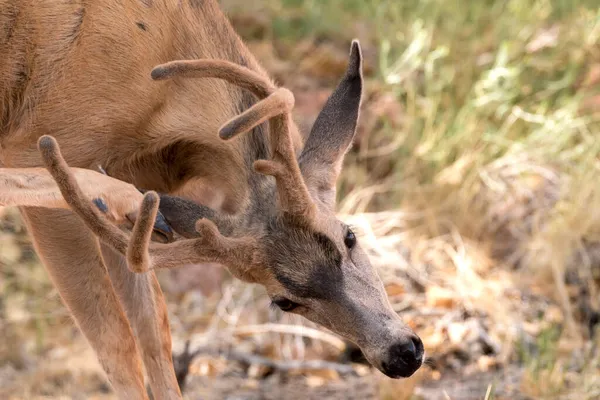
404, 358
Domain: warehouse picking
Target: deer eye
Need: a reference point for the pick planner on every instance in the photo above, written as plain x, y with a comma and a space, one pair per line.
350, 239
285, 304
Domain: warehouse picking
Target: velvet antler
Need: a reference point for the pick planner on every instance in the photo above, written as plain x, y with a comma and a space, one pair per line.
275, 105
141, 254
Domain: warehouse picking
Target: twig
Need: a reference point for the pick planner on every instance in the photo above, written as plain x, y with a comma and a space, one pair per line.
291, 329
276, 364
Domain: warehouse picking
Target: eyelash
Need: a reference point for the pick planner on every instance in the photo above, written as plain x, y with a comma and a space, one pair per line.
275, 306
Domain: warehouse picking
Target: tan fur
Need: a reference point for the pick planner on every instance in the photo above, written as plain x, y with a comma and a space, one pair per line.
98, 78
35, 186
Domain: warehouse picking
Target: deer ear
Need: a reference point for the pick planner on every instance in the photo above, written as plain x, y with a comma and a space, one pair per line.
332, 133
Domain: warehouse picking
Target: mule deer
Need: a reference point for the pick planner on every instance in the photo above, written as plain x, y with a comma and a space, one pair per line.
259, 198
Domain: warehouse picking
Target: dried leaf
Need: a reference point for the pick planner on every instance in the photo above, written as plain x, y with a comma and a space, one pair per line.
251, 384
395, 289
433, 341
554, 314
11, 251
457, 332
327, 374
315, 381
439, 297
362, 370
487, 363
257, 371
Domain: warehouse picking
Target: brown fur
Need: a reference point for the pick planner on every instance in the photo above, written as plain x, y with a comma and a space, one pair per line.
99, 77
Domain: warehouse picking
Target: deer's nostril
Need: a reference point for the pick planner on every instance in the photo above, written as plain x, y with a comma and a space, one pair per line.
420, 350
404, 358
406, 351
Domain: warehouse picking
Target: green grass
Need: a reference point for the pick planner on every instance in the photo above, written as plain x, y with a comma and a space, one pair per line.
464, 72
548, 375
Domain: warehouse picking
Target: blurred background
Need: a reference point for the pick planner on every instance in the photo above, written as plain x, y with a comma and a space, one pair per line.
472, 184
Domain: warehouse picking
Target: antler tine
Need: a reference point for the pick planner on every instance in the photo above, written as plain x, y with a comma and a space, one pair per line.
211, 246
221, 69
75, 198
141, 254
276, 105
292, 191
138, 251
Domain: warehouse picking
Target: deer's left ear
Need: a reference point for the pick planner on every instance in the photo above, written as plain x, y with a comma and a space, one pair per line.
332, 134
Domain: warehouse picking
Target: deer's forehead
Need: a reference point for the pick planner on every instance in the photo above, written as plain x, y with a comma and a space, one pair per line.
288, 242
306, 263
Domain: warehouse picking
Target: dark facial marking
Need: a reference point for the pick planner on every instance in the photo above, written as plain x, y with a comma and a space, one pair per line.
147, 3
322, 283
141, 25
306, 263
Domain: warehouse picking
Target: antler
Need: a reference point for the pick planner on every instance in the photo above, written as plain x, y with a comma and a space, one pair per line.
141, 254
276, 105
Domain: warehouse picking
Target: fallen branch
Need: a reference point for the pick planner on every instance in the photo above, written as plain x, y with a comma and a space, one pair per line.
280, 365
291, 329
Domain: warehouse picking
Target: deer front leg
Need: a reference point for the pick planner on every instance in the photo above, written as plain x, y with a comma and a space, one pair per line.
118, 200
146, 310
71, 255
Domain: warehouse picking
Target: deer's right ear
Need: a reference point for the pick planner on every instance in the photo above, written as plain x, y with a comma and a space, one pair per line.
332, 133
182, 214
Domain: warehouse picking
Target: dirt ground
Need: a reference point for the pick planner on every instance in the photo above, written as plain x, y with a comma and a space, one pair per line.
368, 387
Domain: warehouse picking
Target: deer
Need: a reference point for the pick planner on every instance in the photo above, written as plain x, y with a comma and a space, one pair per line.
201, 162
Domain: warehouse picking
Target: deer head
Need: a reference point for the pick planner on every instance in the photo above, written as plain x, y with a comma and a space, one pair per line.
288, 239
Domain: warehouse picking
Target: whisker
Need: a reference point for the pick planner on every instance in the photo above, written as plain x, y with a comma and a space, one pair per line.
430, 362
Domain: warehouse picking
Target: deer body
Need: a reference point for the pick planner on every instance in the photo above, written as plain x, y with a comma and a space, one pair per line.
85, 72
80, 71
